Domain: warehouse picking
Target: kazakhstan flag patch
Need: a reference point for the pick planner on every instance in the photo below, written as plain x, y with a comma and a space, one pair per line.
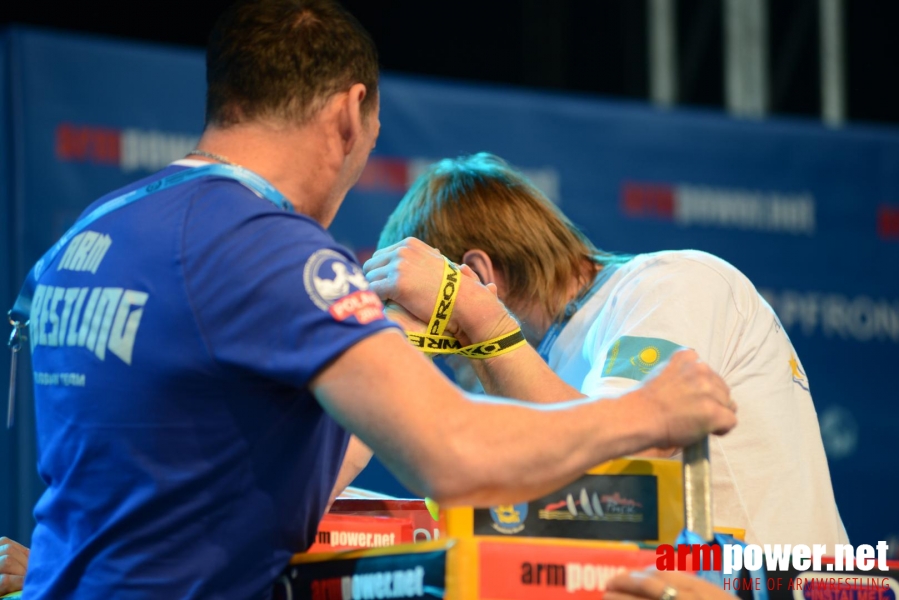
635, 357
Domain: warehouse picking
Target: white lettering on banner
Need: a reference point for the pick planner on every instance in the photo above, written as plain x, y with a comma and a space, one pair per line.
743, 209
589, 577
862, 318
426, 535
405, 583
152, 150
777, 557
109, 321
362, 539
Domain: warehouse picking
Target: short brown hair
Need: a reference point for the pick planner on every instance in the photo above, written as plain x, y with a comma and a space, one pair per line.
283, 59
481, 202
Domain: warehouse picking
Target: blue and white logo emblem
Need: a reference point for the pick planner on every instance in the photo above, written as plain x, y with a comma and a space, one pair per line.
329, 276
509, 518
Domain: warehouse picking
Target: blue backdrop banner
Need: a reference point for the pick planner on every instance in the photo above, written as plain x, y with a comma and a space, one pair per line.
88, 117
810, 214
8, 454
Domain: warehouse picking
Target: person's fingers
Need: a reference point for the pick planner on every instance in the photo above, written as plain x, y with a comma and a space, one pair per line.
687, 355
637, 583
469, 272
721, 391
13, 558
13, 564
708, 382
399, 255
414, 242
385, 256
679, 580
492, 288
381, 258
13, 544
620, 596
409, 242
724, 422
378, 273
383, 289
404, 318
11, 583
690, 585
720, 418
393, 246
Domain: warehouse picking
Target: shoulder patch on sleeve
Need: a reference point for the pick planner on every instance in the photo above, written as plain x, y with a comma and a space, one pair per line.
634, 357
338, 286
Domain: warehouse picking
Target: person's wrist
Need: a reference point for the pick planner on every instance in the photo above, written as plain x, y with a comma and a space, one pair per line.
640, 405
479, 315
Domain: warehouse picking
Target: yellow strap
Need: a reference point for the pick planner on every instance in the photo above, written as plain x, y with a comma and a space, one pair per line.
441, 344
434, 342
495, 347
446, 298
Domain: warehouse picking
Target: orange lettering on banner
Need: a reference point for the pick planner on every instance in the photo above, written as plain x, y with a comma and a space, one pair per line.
80, 143
342, 532
647, 200
327, 589
542, 572
888, 222
385, 174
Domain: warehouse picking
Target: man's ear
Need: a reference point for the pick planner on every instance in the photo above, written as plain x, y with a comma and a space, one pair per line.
479, 262
350, 116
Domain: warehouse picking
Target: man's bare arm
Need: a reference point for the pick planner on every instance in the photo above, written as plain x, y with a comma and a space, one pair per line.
356, 458
442, 444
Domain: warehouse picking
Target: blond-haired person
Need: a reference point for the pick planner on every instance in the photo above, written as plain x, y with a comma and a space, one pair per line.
603, 321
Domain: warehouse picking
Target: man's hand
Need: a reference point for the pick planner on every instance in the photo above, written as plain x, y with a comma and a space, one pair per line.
645, 585
689, 400
403, 318
13, 565
410, 272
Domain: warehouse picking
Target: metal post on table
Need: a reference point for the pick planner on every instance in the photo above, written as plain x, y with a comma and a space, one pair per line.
698, 489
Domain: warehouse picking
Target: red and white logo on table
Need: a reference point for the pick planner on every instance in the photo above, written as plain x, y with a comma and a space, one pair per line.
338, 286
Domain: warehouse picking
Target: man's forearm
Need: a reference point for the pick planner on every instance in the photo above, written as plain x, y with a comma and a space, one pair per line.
354, 461
458, 451
522, 374
442, 444
537, 449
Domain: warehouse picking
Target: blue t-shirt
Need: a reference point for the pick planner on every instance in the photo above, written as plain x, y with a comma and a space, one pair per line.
173, 342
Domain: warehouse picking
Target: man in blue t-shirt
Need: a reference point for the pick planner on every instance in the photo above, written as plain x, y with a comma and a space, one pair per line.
201, 355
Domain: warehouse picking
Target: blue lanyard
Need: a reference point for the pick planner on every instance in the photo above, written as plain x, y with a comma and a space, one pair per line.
546, 344
22, 308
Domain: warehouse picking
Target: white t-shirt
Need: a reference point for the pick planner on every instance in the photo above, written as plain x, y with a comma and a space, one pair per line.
770, 474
